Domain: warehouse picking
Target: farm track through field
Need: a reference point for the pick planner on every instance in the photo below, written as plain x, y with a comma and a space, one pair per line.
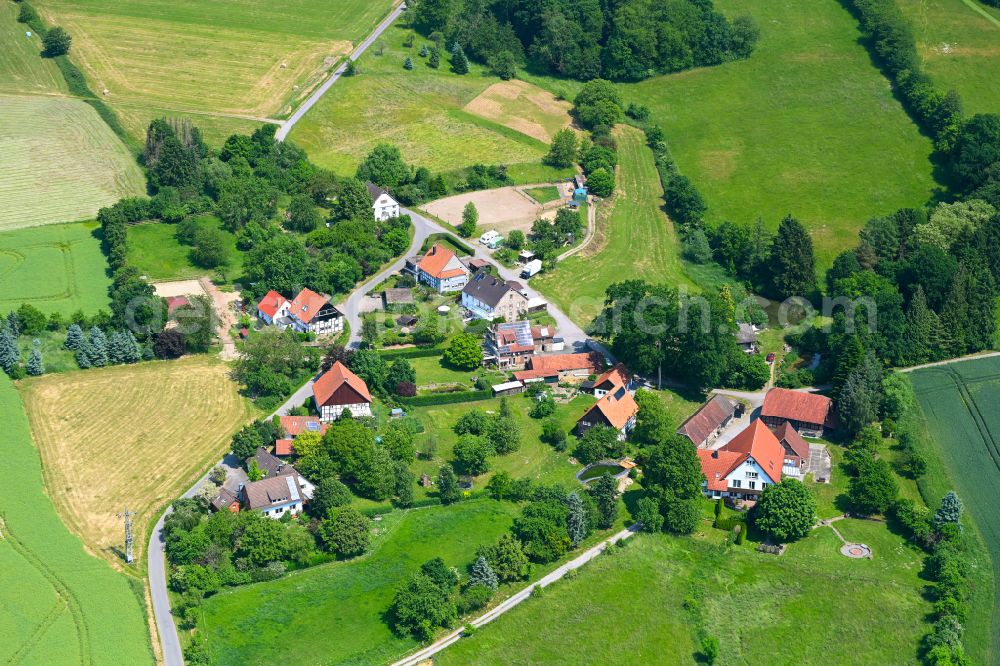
977, 415
62, 591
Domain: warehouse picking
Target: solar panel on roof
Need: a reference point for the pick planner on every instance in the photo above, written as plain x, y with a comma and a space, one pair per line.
620, 393
312, 425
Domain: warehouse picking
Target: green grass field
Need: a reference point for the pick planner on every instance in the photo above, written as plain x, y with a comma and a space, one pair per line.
22, 70
960, 45
543, 195
421, 111
629, 608
56, 268
806, 126
60, 162
635, 240
61, 605
245, 57
961, 403
332, 613
154, 249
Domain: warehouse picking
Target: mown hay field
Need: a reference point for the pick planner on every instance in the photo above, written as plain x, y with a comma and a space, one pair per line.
59, 162
807, 125
961, 403
422, 111
56, 268
22, 69
960, 46
522, 107
135, 436
228, 56
60, 605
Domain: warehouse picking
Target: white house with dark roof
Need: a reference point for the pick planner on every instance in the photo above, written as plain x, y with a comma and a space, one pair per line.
383, 205
274, 496
490, 297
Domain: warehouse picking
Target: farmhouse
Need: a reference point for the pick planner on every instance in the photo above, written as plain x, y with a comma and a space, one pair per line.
272, 307
746, 338
796, 449
610, 381
313, 313
745, 466
274, 496
383, 205
704, 426
557, 367
271, 465
440, 268
339, 390
293, 427
616, 410
489, 297
511, 344
809, 413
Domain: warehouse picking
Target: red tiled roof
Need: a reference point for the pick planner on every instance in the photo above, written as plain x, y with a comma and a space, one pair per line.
271, 303
523, 375
618, 376
617, 409
333, 379
434, 262
284, 447
707, 419
307, 305
760, 443
715, 465
565, 362
797, 406
787, 434
295, 425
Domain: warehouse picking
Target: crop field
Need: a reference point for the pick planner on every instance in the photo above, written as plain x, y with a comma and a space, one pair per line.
59, 162
250, 57
961, 403
960, 46
22, 70
634, 240
806, 126
56, 268
762, 609
333, 613
522, 107
133, 436
154, 249
503, 209
421, 111
60, 605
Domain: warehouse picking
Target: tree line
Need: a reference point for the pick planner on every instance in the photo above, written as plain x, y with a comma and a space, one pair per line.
626, 40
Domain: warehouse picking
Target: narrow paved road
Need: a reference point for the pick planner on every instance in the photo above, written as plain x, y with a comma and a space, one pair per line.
287, 126
155, 559
971, 357
494, 613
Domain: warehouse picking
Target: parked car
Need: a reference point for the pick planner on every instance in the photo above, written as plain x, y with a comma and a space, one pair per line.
770, 357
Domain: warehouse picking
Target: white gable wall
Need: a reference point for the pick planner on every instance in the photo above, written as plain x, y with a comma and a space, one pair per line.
749, 472
385, 207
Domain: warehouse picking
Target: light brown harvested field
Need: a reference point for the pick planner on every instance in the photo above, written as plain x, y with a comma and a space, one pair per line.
178, 288
134, 436
523, 107
502, 209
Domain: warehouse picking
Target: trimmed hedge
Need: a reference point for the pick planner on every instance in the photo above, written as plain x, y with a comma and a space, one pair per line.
447, 239
411, 352
446, 398
729, 522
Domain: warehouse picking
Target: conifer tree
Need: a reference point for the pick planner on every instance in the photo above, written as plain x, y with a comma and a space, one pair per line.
435, 60
133, 350
35, 365
116, 348
408, 63
14, 324
850, 355
9, 354
74, 337
793, 266
83, 356
955, 315
950, 510
576, 519
482, 574
423, 50
97, 348
448, 485
459, 62
924, 329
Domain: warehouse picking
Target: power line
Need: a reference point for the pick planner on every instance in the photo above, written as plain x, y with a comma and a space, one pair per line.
127, 515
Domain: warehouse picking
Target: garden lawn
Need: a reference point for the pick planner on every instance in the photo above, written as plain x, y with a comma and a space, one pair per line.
153, 248
652, 599
421, 111
55, 356
432, 370
56, 268
959, 42
334, 613
961, 404
807, 126
634, 239
22, 69
544, 194
60, 605
59, 162
161, 425
238, 57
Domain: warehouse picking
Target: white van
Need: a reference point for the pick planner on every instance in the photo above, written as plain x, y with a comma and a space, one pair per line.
488, 237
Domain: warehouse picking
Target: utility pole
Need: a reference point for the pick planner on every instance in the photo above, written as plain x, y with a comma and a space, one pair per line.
127, 515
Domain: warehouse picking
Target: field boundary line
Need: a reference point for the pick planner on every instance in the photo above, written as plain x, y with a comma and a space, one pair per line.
977, 416
971, 4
